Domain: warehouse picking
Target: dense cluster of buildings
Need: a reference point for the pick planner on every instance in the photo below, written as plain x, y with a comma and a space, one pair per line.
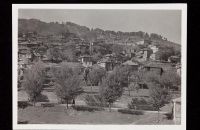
32, 47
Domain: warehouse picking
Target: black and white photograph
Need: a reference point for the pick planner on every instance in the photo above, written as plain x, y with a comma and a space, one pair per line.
95, 66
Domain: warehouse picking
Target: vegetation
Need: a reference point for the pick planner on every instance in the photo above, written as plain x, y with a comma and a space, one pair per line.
67, 83
159, 94
170, 80
110, 89
33, 82
54, 54
140, 104
165, 51
159, 97
55, 28
95, 100
96, 74
69, 55
117, 49
135, 79
122, 74
129, 111
87, 108
68, 75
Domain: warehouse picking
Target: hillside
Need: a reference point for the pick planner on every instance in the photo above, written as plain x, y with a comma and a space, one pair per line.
55, 28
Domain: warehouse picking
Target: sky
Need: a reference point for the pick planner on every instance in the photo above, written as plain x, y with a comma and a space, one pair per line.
163, 22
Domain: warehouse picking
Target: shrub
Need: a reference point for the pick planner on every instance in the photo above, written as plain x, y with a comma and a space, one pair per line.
23, 104
47, 104
95, 100
169, 115
87, 108
129, 111
140, 104
22, 122
137, 101
146, 107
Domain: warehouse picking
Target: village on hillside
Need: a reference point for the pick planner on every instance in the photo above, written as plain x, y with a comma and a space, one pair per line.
66, 79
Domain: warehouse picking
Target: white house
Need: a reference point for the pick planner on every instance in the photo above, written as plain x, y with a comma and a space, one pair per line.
86, 61
140, 42
153, 48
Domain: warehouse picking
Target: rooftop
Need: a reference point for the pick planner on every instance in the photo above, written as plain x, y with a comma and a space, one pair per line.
166, 66
130, 62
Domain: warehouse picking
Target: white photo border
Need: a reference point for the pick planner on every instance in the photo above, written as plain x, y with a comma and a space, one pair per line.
182, 7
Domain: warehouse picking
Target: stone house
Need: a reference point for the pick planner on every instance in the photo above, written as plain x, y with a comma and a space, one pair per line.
86, 60
134, 65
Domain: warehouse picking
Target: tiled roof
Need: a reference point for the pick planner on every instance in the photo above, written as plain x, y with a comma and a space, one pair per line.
165, 66
129, 62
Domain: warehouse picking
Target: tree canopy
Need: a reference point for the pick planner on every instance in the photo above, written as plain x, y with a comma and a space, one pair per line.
110, 89
67, 83
96, 74
54, 54
33, 81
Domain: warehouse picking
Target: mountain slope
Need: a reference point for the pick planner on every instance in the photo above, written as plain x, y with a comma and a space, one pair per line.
55, 28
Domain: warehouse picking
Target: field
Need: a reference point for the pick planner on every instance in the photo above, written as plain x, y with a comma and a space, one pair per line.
60, 115
122, 102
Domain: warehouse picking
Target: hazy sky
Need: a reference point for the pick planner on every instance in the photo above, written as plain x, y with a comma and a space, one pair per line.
164, 22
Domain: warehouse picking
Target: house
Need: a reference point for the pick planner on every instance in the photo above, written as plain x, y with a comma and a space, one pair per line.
132, 64
144, 54
23, 65
153, 48
21, 39
56, 44
158, 70
29, 44
81, 46
129, 51
158, 67
153, 67
24, 53
141, 42
86, 60
108, 63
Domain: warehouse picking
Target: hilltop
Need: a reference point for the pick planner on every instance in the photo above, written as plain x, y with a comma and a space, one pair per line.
83, 32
